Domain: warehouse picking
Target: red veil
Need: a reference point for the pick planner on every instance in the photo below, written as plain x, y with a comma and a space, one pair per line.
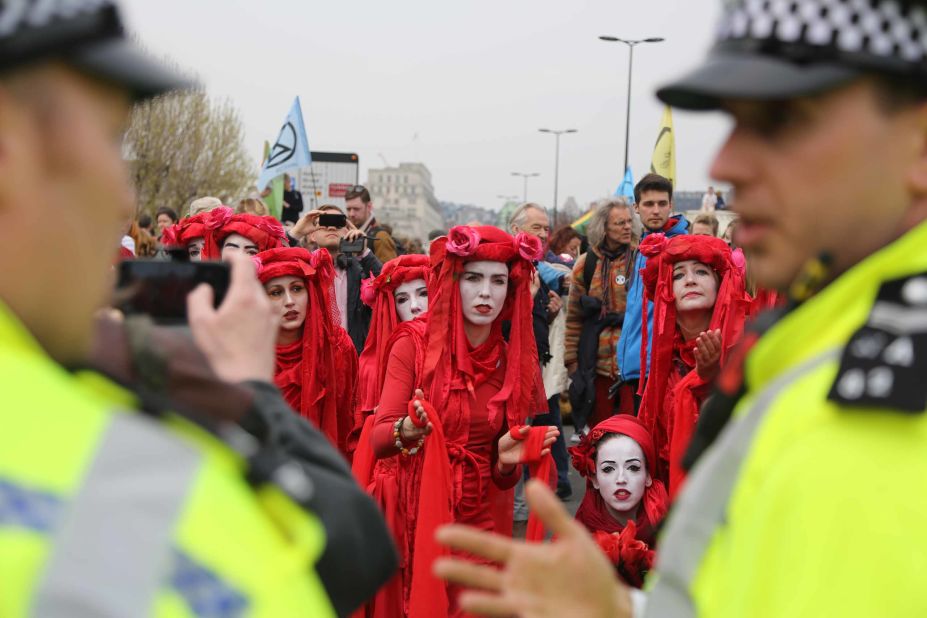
453, 369
627, 546
670, 407
377, 293
186, 231
317, 374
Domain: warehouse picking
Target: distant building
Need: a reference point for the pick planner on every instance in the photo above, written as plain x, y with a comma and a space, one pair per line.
404, 198
462, 214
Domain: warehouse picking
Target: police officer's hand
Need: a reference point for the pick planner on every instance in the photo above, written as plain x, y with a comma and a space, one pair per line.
708, 354
523, 586
239, 337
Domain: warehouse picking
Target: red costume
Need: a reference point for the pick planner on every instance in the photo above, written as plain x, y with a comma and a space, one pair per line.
474, 394
629, 547
381, 476
215, 225
317, 374
673, 391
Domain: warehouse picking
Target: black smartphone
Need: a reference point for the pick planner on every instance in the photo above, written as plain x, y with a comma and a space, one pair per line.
159, 289
353, 246
333, 220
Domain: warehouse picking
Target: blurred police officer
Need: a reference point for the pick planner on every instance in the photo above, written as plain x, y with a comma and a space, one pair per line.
110, 505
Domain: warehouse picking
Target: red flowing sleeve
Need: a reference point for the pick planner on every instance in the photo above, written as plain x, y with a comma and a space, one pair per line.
346, 388
395, 397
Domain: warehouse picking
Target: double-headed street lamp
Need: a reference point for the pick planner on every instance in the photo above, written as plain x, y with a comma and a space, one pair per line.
631, 45
556, 134
526, 176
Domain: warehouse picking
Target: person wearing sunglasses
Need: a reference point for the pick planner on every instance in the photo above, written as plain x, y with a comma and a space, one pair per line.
330, 229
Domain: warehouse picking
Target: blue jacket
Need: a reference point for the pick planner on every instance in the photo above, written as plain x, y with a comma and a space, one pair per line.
629, 343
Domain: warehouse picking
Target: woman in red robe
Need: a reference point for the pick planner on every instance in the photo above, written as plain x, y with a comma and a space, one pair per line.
471, 394
397, 296
699, 309
316, 365
624, 501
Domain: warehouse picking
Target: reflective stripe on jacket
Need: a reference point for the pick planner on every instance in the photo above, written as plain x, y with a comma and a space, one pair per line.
111, 513
803, 506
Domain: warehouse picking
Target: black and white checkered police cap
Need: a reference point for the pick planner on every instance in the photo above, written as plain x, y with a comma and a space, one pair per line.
781, 49
86, 34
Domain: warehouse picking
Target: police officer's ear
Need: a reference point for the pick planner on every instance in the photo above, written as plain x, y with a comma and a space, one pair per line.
917, 172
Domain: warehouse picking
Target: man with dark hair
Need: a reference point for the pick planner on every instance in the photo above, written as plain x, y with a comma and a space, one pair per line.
829, 115
145, 223
654, 205
359, 209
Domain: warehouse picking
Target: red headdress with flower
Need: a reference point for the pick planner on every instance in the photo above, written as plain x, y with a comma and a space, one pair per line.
450, 371
266, 232
728, 315
307, 372
185, 231
592, 511
377, 293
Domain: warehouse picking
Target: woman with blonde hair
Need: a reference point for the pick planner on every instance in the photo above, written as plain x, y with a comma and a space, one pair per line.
252, 206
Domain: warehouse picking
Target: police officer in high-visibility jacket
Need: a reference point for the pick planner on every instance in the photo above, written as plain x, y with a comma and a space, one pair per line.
105, 511
804, 495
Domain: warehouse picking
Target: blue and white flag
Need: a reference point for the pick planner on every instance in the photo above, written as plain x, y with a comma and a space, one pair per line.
626, 188
291, 149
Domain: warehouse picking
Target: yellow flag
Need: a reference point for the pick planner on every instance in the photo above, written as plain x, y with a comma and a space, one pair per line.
664, 153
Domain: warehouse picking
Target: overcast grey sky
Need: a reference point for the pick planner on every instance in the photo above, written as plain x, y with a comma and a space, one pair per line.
473, 80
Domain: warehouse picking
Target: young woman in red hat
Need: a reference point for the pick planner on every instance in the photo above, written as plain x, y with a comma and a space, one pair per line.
624, 501
696, 285
213, 234
456, 397
316, 367
397, 296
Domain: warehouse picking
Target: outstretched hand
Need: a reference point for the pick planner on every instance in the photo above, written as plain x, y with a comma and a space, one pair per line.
708, 354
512, 451
522, 585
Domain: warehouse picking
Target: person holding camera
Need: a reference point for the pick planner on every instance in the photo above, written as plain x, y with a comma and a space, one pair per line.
329, 228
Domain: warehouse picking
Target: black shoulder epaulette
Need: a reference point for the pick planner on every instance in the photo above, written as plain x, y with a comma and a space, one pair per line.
884, 365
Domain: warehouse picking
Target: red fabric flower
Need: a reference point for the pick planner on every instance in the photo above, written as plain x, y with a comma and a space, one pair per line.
368, 292
218, 217
463, 240
529, 247
652, 245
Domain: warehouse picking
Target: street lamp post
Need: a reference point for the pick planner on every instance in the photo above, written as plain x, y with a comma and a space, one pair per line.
557, 135
526, 176
631, 43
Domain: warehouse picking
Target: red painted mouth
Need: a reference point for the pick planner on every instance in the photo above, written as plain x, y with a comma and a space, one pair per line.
484, 309
622, 494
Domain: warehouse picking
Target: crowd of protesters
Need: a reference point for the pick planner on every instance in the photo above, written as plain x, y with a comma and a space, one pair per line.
440, 378
351, 431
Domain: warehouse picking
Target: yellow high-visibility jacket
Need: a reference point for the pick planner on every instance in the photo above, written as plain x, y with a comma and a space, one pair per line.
812, 500
107, 512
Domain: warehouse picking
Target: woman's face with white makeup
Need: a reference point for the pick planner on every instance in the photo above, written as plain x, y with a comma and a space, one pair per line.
483, 287
621, 475
411, 299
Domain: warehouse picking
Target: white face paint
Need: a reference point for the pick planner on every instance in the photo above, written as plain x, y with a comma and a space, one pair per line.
483, 287
695, 286
621, 475
236, 243
411, 299
195, 249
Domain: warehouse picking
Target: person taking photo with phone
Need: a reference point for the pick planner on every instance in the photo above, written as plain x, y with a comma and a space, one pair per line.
329, 228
